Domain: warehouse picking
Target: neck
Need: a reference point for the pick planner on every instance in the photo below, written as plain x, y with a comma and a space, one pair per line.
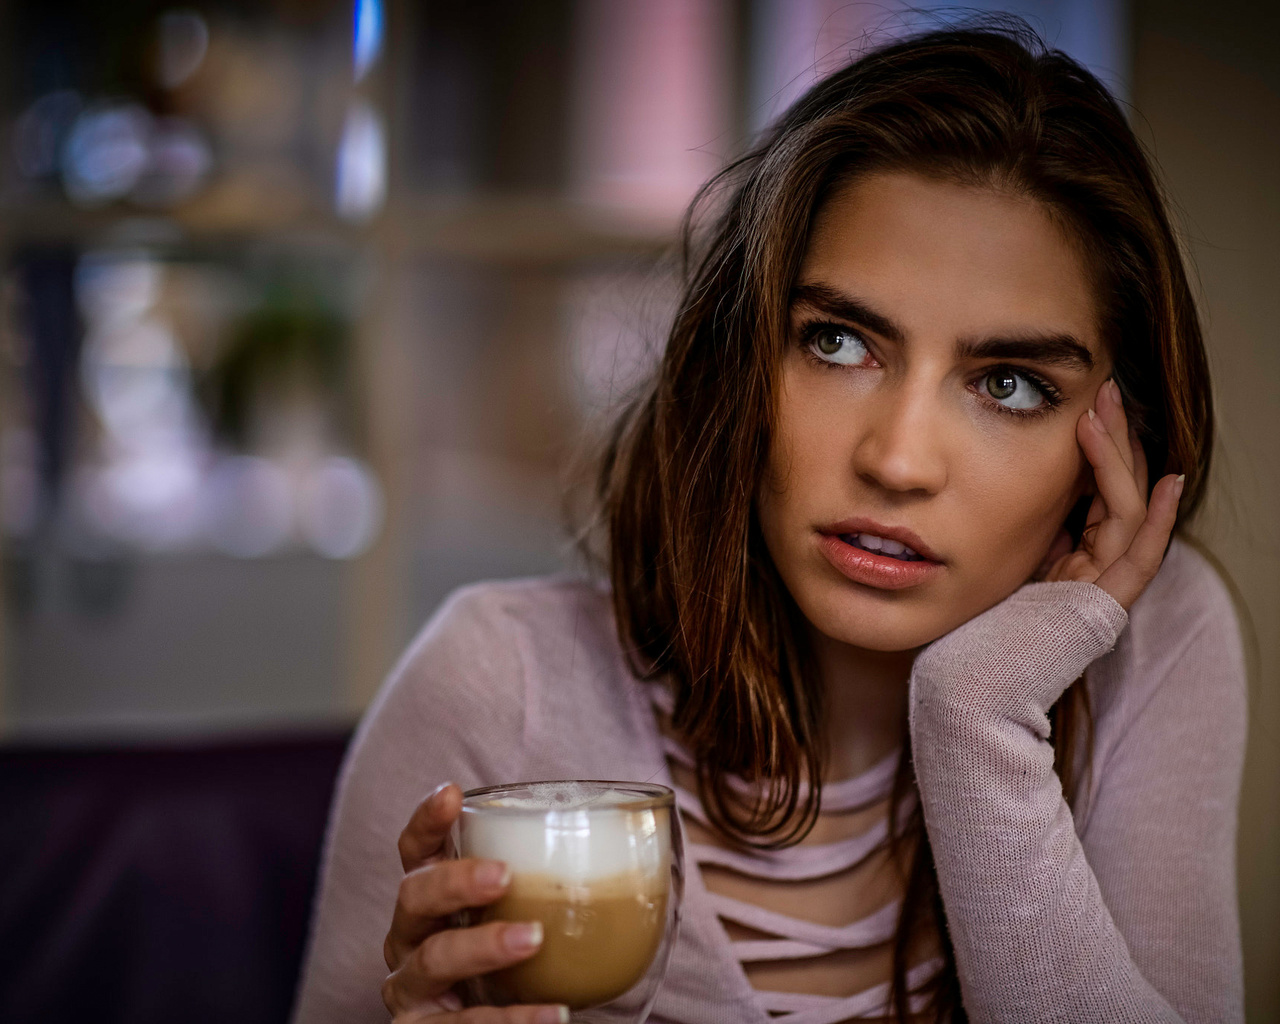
866, 703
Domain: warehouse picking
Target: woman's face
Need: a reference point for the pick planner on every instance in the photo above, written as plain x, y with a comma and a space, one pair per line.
943, 346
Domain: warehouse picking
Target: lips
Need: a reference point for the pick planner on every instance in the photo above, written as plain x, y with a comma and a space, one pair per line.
886, 558
898, 537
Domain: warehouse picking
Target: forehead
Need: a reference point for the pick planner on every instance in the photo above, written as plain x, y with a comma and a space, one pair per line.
943, 258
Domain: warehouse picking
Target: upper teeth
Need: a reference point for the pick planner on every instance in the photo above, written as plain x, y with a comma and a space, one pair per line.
885, 545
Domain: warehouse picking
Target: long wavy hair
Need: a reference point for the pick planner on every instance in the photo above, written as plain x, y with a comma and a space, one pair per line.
697, 598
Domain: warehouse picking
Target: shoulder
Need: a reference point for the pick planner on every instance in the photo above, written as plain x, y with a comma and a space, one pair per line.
530, 607
493, 631
532, 667
1185, 616
466, 693
472, 666
1186, 595
533, 622
1181, 656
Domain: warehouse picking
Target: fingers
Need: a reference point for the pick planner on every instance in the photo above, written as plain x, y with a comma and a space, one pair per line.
424, 836
434, 891
488, 1015
1125, 535
427, 960
1109, 408
1126, 577
449, 956
1117, 489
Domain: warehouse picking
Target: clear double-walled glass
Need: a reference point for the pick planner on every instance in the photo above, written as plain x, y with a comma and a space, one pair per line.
601, 866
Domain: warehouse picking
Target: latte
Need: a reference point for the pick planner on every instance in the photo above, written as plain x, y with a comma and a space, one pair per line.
593, 866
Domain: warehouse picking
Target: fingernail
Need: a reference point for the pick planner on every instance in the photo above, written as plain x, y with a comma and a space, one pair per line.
553, 1015
492, 874
1178, 484
439, 789
1097, 423
1115, 391
520, 938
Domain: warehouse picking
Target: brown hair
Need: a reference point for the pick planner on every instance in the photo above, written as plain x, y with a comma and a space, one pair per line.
697, 598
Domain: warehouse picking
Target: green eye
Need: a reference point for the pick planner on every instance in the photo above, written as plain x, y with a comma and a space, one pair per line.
1014, 391
1001, 385
838, 345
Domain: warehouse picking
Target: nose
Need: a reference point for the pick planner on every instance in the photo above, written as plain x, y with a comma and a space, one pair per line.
902, 446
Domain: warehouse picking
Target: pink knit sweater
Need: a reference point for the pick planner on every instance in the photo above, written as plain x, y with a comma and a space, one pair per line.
1127, 913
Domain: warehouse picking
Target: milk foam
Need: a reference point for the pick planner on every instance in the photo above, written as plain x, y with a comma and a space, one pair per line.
562, 833
565, 796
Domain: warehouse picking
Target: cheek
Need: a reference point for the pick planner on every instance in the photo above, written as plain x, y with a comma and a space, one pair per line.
805, 448
1020, 493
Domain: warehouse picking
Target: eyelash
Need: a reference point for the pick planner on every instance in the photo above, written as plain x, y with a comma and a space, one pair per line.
809, 330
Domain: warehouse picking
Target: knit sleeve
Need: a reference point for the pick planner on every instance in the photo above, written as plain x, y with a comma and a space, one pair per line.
1148, 930
451, 711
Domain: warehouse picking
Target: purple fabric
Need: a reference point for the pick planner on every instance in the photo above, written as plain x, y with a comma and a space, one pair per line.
1125, 911
159, 885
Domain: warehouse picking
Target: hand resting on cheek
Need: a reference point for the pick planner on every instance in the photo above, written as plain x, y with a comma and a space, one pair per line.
1125, 537
1120, 551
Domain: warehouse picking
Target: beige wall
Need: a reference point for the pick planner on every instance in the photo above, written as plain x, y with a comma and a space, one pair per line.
1207, 85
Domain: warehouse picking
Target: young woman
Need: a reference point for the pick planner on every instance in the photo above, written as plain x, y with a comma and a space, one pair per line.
957, 730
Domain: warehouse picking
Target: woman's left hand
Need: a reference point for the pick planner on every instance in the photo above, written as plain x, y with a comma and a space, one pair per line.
1125, 536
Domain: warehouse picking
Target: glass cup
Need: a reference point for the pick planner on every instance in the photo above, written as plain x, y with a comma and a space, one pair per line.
601, 866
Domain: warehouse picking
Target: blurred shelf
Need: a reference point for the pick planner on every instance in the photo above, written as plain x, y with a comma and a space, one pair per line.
521, 229
49, 221
503, 229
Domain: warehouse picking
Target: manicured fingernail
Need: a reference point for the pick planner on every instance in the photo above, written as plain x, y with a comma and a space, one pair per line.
1115, 391
1097, 423
520, 938
439, 789
1178, 484
553, 1015
492, 874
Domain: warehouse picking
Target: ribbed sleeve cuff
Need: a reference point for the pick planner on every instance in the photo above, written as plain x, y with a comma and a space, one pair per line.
1030, 646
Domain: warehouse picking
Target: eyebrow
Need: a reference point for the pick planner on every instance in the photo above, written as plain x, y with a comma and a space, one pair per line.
1055, 349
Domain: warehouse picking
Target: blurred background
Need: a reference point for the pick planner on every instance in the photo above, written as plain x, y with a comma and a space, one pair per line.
307, 308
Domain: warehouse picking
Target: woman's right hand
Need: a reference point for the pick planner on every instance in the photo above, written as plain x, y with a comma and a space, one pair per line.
428, 958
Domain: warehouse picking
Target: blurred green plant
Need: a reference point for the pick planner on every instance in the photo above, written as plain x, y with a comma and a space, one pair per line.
294, 339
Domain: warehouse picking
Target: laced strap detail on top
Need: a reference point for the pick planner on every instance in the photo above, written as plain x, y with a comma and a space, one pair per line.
846, 795
793, 938
796, 863
798, 1008
875, 928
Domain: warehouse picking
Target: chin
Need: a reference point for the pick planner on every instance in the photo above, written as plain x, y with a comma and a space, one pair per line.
901, 626
904, 620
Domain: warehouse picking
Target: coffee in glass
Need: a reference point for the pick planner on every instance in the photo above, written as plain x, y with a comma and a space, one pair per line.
600, 866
